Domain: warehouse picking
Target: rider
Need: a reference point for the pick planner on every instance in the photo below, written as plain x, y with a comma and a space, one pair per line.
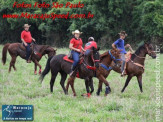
91, 43
119, 44
27, 40
76, 47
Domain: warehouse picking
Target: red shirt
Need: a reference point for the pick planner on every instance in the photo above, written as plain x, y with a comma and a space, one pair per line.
90, 44
77, 43
26, 35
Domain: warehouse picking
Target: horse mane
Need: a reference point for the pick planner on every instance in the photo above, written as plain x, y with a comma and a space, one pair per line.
102, 56
137, 52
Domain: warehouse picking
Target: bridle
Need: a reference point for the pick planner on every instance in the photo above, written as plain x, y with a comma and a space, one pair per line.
113, 57
87, 65
148, 51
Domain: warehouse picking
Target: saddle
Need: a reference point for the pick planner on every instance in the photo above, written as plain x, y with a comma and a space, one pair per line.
128, 56
22, 47
70, 60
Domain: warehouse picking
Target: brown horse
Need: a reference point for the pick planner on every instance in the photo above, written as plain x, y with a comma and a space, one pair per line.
135, 66
57, 64
17, 49
101, 73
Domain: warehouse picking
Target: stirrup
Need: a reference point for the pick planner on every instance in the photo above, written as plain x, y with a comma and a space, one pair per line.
123, 73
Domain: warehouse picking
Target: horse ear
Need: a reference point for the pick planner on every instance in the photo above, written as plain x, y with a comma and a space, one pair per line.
93, 48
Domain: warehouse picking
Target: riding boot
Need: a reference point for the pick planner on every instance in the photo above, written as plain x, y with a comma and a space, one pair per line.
122, 69
72, 70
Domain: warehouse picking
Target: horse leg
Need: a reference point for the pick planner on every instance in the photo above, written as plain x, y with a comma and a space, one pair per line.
99, 88
71, 82
35, 72
12, 63
139, 78
87, 83
53, 76
108, 89
39, 66
126, 83
62, 82
91, 85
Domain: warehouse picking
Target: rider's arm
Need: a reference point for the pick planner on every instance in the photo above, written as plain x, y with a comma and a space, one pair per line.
33, 39
113, 46
127, 46
22, 35
83, 49
72, 48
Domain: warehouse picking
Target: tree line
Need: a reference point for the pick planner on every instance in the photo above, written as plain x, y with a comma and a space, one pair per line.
141, 19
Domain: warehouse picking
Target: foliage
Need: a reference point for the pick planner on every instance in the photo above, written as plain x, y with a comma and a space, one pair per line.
141, 19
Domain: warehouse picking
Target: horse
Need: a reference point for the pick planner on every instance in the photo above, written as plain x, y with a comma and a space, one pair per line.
101, 73
57, 64
18, 49
135, 65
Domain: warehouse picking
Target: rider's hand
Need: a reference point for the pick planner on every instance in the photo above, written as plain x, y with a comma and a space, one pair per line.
34, 40
128, 45
25, 43
78, 50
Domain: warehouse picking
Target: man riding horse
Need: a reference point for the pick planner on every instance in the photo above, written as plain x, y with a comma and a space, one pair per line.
119, 44
27, 40
91, 43
76, 49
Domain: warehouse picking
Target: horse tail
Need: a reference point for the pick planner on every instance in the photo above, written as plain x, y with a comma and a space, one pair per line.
46, 70
4, 53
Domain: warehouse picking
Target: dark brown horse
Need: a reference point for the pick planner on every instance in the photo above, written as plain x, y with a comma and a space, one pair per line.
17, 49
135, 66
58, 65
101, 73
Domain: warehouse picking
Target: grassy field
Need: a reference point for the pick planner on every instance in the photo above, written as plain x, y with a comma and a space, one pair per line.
23, 87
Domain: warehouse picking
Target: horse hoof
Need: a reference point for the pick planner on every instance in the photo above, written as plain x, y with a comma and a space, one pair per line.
98, 94
88, 95
35, 72
85, 94
40, 71
74, 95
66, 93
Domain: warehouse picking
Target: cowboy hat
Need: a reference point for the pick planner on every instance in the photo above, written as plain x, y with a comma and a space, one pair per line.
76, 31
26, 25
123, 33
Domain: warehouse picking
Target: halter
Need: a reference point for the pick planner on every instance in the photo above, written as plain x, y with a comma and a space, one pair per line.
88, 66
148, 51
112, 57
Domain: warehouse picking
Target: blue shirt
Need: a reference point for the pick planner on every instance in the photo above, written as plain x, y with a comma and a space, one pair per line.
120, 45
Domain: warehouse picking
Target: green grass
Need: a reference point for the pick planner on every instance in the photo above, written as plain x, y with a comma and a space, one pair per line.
23, 87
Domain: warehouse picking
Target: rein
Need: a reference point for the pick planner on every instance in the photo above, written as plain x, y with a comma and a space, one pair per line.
88, 66
113, 58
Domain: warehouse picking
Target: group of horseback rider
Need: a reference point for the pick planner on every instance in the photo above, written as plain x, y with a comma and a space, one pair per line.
76, 46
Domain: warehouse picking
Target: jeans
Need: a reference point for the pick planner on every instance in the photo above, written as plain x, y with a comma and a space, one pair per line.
28, 51
76, 59
87, 52
124, 60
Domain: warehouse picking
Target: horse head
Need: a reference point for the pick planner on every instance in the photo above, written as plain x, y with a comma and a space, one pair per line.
116, 56
94, 56
50, 51
150, 49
